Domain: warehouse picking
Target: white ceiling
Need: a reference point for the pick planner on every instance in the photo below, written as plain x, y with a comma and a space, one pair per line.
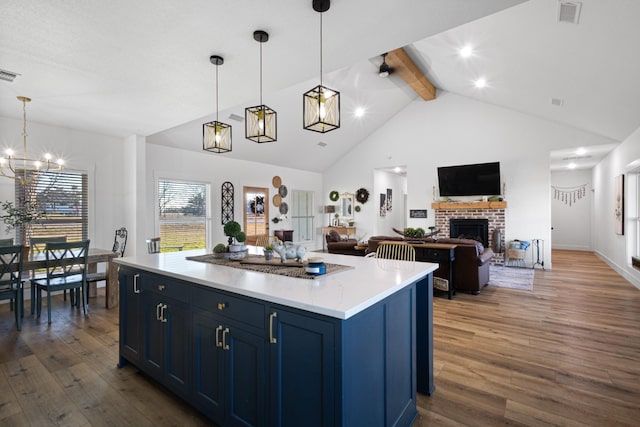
121, 68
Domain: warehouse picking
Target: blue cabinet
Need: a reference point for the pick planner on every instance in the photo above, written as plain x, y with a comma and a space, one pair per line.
248, 362
130, 298
302, 386
166, 332
229, 358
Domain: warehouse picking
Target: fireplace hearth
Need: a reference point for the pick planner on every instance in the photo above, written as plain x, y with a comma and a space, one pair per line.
475, 229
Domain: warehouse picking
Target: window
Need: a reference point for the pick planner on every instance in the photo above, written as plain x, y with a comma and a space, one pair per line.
63, 197
302, 215
183, 215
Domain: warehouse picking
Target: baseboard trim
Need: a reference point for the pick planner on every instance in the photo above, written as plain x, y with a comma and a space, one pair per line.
631, 275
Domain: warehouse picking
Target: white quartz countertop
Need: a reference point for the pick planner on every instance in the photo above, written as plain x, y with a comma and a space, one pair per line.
341, 295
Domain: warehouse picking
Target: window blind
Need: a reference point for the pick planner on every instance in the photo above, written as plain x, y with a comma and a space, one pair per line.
62, 197
183, 215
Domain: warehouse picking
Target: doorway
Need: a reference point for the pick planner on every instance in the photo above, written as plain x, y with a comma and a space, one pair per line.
256, 213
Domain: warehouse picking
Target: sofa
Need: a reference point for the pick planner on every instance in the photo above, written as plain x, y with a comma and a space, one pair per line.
338, 245
470, 268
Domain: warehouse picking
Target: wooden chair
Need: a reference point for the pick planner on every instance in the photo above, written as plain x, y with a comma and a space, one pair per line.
3, 244
396, 250
10, 281
119, 245
66, 269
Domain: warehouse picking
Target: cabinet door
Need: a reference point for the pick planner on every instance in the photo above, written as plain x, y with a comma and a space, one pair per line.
302, 370
176, 345
208, 368
245, 377
152, 335
130, 318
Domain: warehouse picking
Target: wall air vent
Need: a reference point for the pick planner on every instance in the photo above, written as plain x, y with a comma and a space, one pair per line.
569, 11
8, 76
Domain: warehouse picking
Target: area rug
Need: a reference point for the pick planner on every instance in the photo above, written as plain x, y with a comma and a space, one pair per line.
511, 277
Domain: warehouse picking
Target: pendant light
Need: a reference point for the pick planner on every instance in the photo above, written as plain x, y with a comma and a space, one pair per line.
216, 136
321, 105
260, 121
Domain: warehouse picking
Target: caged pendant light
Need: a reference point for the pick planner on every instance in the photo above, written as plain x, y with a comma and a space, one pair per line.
260, 121
216, 136
321, 105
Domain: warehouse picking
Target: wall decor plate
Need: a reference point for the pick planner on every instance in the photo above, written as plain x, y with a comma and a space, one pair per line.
277, 199
284, 208
282, 190
276, 181
362, 195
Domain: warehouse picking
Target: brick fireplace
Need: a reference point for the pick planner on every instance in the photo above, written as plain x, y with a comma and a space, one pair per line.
491, 211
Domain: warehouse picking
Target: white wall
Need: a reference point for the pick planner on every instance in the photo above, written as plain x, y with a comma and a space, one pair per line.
395, 218
615, 249
571, 221
215, 169
99, 155
454, 130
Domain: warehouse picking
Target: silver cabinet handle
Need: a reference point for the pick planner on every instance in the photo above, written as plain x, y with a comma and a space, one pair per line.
136, 287
225, 346
163, 319
272, 339
218, 342
158, 315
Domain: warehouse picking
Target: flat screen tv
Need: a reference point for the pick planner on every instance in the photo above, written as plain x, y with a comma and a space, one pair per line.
482, 179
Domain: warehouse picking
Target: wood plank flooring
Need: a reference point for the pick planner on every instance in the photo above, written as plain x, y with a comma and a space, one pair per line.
566, 354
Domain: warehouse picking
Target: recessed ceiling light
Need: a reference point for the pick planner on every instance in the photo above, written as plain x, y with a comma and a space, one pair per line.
480, 83
571, 165
466, 51
581, 151
359, 112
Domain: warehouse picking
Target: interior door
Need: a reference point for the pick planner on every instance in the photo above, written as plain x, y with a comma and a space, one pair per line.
256, 213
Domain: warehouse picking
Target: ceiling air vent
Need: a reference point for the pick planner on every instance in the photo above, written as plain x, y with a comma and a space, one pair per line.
322, 144
569, 11
557, 102
8, 76
236, 117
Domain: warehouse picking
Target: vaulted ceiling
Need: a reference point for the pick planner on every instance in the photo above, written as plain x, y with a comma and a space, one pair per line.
123, 68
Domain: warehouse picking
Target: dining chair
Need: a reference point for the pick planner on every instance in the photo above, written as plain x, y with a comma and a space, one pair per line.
10, 282
396, 250
119, 245
3, 244
66, 265
38, 245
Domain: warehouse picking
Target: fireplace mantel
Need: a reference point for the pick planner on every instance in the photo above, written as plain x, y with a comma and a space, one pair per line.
468, 205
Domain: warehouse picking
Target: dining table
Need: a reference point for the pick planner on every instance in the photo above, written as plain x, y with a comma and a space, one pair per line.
38, 261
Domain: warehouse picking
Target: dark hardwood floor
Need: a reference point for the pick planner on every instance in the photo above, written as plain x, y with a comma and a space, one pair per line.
566, 354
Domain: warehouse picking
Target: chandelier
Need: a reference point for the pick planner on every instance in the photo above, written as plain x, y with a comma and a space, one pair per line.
14, 167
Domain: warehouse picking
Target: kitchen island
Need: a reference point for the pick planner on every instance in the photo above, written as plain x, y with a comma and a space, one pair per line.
249, 348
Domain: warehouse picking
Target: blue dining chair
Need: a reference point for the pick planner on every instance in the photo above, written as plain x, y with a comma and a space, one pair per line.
66, 265
10, 282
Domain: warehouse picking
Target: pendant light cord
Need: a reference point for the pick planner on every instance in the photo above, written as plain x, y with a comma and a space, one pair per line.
321, 48
261, 73
216, 92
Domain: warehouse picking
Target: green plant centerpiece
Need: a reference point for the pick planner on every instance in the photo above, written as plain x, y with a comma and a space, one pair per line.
22, 217
268, 252
236, 236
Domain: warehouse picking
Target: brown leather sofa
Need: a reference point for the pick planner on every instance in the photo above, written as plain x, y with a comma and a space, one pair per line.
337, 245
470, 268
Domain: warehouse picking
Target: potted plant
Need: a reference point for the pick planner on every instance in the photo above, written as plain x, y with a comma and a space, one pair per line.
236, 236
22, 216
268, 252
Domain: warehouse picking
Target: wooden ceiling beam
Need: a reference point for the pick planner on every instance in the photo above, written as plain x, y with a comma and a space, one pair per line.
404, 67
